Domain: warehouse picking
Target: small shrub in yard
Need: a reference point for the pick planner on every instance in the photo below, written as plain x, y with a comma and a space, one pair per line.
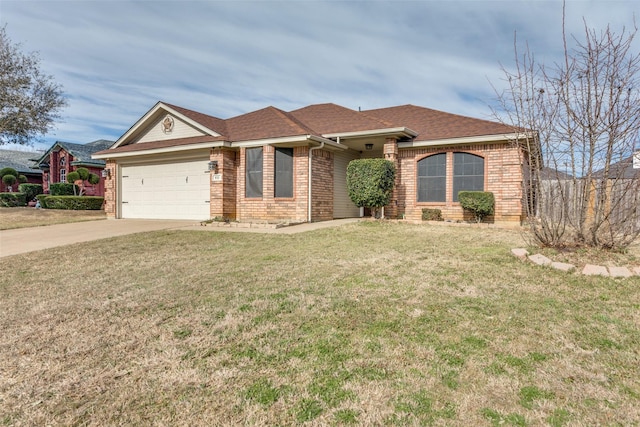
432, 215
10, 176
480, 203
62, 189
78, 203
30, 190
10, 200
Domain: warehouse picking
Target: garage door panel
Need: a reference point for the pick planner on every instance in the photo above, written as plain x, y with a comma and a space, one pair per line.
166, 191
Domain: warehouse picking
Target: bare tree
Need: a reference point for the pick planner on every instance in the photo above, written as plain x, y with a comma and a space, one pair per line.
29, 100
586, 115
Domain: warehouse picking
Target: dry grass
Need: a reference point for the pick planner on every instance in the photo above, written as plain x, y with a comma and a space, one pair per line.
368, 324
31, 217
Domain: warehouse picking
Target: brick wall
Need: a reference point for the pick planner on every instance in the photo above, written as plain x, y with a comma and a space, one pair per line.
110, 192
391, 153
503, 177
223, 193
269, 208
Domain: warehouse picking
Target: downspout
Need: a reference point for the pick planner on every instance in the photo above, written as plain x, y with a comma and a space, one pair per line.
320, 147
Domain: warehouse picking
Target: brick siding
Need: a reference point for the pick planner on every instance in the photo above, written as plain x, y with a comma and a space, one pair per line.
110, 190
268, 208
503, 177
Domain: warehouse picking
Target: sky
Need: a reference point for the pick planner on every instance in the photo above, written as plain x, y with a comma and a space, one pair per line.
116, 59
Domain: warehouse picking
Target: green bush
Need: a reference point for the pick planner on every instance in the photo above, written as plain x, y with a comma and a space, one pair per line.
76, 203
30, 190
479, 203
10, 200
62, 189
432, 215
10, 176
370, 182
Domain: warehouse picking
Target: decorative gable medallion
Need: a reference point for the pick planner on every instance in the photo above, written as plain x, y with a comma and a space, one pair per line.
167, 124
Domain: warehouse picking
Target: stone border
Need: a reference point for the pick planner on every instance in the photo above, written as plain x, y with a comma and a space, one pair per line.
588, 270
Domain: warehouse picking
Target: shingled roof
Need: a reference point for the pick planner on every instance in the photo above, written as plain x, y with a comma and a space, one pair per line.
210, 122
325, 121
269, 122
22, 161
81, 152
434, 125
331, 118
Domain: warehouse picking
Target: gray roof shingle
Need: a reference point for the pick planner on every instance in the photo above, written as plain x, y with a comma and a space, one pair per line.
21, 161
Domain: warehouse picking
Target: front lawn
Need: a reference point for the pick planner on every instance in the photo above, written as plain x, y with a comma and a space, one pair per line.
366, 324
22, 217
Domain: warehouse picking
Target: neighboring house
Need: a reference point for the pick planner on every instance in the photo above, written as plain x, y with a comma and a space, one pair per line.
623, 189
627, 168
64, 157
272, 165
22, 162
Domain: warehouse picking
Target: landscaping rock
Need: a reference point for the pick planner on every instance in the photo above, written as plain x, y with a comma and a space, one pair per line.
595, 270
562, 266
520, 253
539, 259
620, 272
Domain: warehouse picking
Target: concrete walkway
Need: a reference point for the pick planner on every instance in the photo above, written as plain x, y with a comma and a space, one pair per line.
23, 240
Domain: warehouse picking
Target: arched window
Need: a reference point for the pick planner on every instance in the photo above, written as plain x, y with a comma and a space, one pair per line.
62, 161
468, 173
432, 178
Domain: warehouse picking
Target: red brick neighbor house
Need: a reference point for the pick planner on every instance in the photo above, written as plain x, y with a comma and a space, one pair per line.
276, 166
64, 157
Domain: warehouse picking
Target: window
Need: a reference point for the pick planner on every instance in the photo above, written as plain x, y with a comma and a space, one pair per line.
253, 172
284, 172
432, 178
62, 161
468, 173
63, 175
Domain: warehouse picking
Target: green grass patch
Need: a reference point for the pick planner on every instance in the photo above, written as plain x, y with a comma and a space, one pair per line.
530, 394
346, 417
263, 392
307, 410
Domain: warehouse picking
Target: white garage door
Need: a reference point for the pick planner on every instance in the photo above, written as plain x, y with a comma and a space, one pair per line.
166, 191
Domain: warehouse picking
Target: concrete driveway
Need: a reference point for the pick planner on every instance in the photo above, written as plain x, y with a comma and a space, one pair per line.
22, 240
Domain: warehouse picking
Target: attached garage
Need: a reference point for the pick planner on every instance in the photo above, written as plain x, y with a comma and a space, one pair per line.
176, 190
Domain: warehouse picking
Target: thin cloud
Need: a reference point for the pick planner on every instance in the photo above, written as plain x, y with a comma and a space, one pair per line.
116, 59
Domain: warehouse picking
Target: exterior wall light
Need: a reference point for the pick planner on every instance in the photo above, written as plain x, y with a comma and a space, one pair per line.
213, 166
106, 173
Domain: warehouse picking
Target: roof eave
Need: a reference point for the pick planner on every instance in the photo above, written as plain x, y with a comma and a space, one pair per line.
171, 149
87, 163
301, 139
397, 131
509, 137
